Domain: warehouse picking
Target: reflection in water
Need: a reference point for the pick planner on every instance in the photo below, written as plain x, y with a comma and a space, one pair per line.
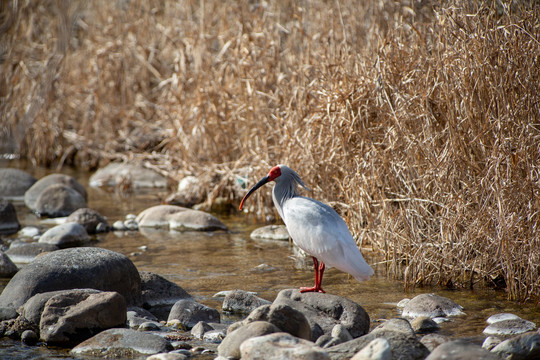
206, 263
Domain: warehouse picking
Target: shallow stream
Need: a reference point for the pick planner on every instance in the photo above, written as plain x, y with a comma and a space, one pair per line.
206, 263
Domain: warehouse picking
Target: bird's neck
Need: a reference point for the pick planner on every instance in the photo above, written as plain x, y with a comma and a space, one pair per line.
283, 192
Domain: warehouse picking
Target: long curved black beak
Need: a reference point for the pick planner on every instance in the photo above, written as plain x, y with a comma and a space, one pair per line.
263, 181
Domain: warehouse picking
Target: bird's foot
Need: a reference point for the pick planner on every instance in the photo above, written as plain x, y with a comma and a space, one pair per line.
312, 289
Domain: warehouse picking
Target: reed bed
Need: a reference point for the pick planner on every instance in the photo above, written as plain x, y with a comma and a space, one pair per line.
419, 122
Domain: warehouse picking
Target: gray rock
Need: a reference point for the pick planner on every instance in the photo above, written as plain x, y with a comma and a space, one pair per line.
490, 342
509, 327
9, 224
137, 316
189, 312
230, 346
431, 341
338, 335
74, 268
14, 182
32, 195
200, 329
431, 305
397, 324
58, 200
168, 356
29, 337
178, 218
460, 350
284, 317
7, 267
500, 317
324, 311
159, 294
424, 324
136, 176
377, 349
150, 326
23, 253
122, 343
524, 346
242, 302
214, 336
270, 232
31, 232
65, 235
281, 346
73, 316
91, 220
402, 345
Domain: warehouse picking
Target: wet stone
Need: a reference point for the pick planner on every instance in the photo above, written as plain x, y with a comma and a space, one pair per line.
432, 306
509, 327
178, 218
271, 232
29, 337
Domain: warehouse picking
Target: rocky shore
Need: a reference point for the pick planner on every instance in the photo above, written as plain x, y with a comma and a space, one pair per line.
64, 292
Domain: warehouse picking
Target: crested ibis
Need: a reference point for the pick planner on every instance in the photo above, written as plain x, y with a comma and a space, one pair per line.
314, 227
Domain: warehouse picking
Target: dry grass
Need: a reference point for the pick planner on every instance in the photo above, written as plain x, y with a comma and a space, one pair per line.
421, 123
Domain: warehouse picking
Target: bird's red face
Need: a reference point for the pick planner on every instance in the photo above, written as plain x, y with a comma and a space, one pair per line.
274, 173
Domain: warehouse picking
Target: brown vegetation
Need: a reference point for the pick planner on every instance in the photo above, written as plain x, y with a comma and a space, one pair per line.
420, 122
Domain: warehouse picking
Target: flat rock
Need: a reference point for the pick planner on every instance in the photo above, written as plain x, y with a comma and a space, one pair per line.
509, 327
23, 253
460, 350
281, 346
122, 343
7, 267
324, 311
73, 316
14, 182
92, 221
9, 223
377, 349
33, 193
189, 312
83, 267
270, 232
242, 302
432, 306
230, 346
524, 346
500, 317
178, 218
137, 176
65, 235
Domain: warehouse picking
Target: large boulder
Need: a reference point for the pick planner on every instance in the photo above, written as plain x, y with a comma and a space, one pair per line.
136, 176
74, 268
14, 182
178, 218
122, 343
9, 224
76, 315
324, 311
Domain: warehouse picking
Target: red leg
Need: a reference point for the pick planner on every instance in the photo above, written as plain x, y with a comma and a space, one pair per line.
319, 271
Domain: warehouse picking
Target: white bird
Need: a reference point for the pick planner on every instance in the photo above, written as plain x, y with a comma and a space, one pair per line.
314, 227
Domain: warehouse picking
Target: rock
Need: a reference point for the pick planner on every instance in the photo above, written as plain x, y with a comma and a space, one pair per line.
431, 305
178, 218
431, 341
509, 327
35, 202
397, 324
460, 350
90, 219
281, 346
424, 324
73, 268
29, 337
127, 175
7, 267
168, 356
159, 294
9, 224
31, 232
73, 316
490, 342
137, 316
230, 346
270, 232
66, 235
23, 253
189, 312
500, 317
189, 192
284, 317
14, 182
200, 328
324, 311
150, 326
377, 349
242, 302
402, 345
58, 200
214, 336
524, 346
338, 335
122, 343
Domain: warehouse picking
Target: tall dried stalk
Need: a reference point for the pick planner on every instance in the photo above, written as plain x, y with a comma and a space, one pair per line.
420, 123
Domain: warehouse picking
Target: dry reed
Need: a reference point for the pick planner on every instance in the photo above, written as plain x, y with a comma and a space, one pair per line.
420, 123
